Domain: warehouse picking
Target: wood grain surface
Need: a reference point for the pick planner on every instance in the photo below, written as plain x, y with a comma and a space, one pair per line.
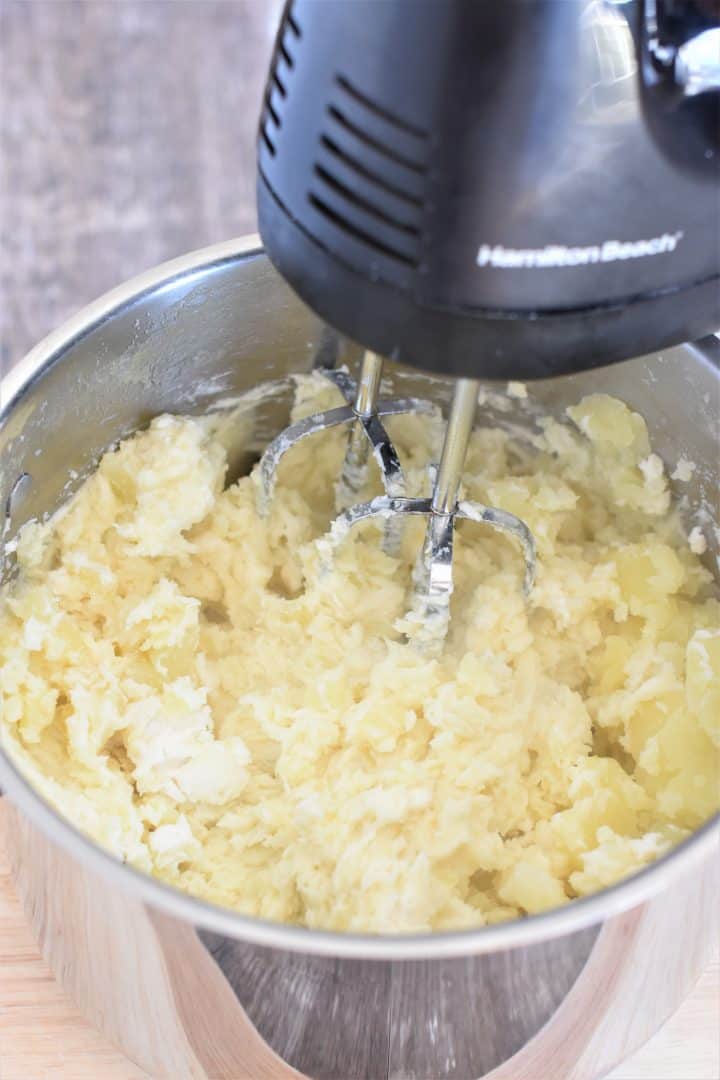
126, 138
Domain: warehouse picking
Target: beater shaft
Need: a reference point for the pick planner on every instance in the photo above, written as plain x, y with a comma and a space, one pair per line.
354, 470
368, 384
432, 577
454, 451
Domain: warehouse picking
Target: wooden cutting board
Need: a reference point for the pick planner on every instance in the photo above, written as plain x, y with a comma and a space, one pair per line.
43, 1037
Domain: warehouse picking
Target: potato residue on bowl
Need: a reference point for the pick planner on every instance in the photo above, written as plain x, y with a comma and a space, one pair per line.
180, 680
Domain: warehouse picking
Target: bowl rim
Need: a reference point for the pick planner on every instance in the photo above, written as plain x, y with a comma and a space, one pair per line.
574, 916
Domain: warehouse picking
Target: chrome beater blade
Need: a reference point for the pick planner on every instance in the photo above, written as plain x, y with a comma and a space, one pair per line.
367, 435
429, 609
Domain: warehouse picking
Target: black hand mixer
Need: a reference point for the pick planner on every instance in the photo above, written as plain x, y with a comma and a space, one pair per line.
487, 190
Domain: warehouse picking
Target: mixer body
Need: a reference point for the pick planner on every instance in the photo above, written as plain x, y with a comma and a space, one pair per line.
496, 190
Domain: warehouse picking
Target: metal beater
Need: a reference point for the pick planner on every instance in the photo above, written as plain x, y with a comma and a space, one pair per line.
368, 434
429, 607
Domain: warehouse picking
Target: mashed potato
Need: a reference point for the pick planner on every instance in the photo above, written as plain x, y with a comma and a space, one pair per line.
180, 679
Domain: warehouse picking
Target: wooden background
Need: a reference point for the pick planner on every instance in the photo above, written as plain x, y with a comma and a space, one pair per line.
126, 138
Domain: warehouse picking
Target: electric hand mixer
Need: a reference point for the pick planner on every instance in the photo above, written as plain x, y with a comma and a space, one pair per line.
508, 191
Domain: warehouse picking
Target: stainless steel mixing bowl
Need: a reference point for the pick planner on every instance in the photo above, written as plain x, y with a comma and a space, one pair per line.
181, 338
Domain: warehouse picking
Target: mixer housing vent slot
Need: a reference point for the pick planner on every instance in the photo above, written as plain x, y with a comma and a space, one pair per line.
362, 169
276, 90
349, 125
380, 110
358, 233
409, 227
369, 176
